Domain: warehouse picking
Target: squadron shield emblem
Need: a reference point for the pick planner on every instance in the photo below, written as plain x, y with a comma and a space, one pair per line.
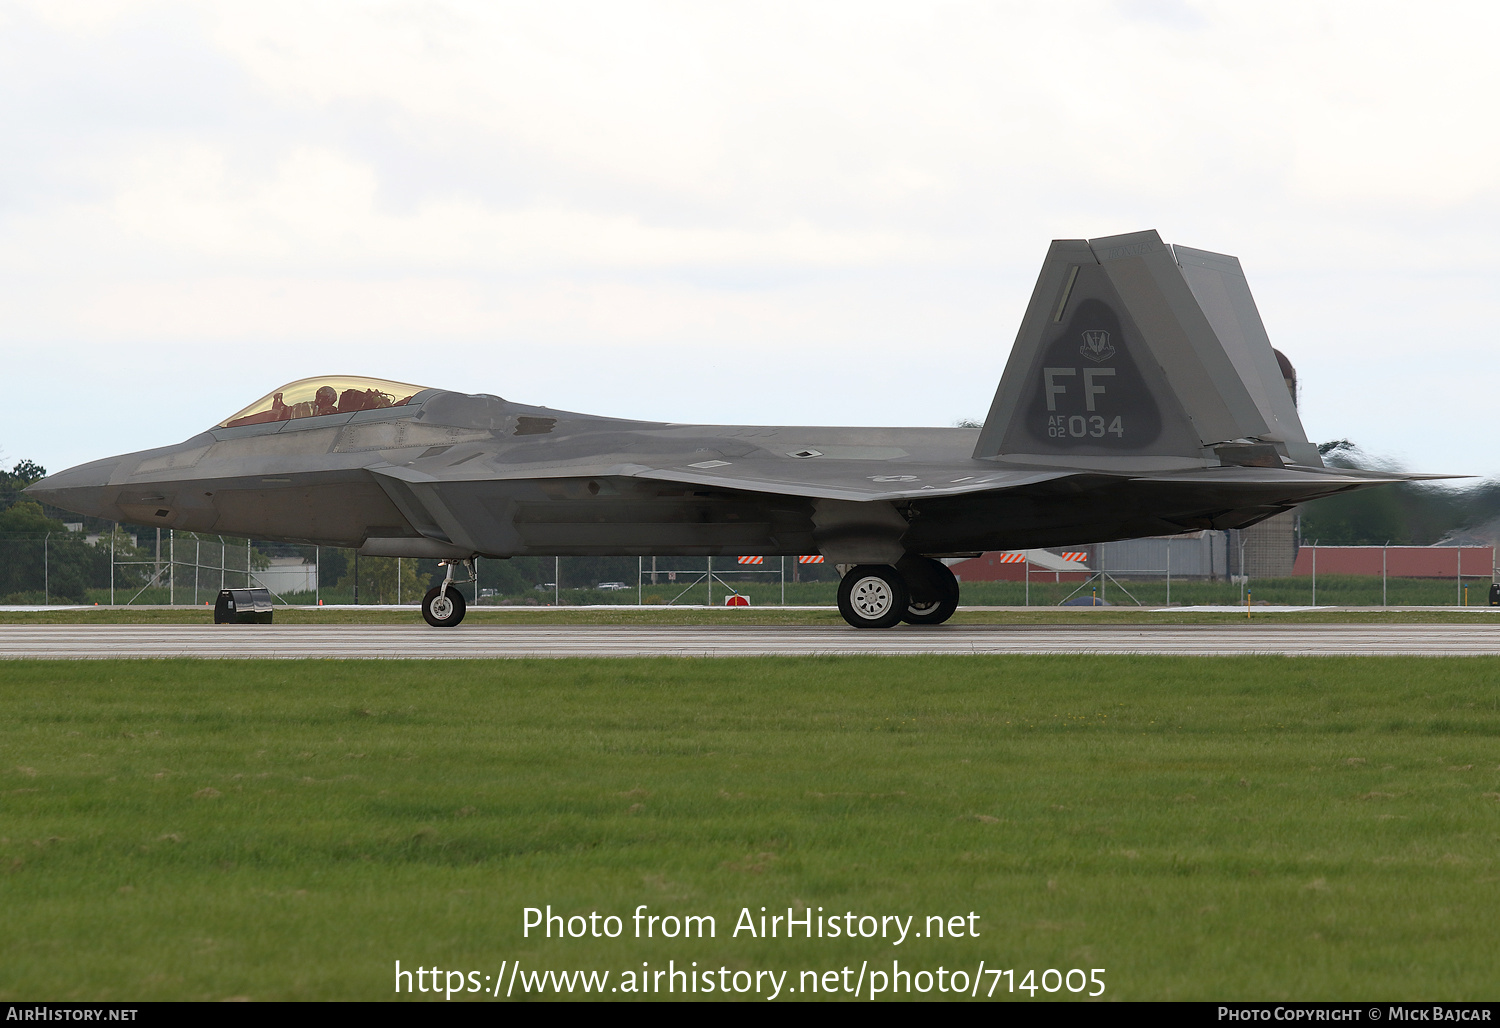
1096, 346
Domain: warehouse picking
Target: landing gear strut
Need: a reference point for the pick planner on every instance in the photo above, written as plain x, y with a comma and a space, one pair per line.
918, 590
444, 606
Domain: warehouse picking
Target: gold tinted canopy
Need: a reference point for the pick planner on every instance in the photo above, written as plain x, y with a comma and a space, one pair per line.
328, 394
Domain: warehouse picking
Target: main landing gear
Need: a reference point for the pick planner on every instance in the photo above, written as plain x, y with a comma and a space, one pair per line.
917, 590
444, 606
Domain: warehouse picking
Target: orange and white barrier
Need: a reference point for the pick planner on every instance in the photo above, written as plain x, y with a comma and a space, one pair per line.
1021, 557
1022, 565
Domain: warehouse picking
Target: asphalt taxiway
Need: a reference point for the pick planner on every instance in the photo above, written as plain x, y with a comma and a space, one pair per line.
73, 642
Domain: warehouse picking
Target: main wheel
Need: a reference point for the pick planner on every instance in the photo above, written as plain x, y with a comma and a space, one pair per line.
872, 596
934, 590
443, 610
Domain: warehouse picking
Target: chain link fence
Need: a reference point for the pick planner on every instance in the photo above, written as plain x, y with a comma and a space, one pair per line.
115, 566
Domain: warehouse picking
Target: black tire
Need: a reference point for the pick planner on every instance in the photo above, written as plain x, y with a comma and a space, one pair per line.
872, 596
934, 590
447, 613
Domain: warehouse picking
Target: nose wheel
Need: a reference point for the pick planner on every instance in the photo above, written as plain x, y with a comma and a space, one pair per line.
442, 610
919, 591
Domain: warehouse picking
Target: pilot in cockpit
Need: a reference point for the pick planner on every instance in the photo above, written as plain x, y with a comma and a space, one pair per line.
327, 400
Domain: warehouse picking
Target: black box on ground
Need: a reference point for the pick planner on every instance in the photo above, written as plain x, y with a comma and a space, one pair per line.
243, 607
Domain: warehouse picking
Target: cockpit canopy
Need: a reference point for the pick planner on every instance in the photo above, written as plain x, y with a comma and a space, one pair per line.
329, 394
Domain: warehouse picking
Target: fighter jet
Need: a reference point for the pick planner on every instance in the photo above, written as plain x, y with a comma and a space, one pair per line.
1141, 397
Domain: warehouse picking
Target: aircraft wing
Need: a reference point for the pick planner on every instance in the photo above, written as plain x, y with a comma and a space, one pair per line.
867, 480
859, 480
853, 479
818, 478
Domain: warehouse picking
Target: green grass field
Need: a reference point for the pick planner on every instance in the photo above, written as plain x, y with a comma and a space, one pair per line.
1201, 828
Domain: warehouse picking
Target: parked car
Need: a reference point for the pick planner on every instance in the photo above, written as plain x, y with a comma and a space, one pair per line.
613, 587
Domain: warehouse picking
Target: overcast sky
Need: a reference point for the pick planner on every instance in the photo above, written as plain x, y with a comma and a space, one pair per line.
725, 212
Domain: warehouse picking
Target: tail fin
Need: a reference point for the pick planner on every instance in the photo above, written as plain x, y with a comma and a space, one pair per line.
1131, 348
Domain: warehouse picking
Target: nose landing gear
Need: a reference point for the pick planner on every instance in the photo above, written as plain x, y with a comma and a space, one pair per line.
918, 590
444, 606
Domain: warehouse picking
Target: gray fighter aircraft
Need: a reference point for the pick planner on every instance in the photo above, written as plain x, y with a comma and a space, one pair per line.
1141, 397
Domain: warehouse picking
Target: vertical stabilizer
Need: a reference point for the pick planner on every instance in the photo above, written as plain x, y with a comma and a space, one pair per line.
1218, 284
1133, 349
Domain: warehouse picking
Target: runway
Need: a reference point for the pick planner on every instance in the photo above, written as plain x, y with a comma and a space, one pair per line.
70, 642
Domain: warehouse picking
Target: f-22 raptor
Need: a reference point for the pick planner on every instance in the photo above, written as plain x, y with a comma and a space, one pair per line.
1141, 397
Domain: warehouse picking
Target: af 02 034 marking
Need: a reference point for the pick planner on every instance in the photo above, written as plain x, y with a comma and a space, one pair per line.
1077, 427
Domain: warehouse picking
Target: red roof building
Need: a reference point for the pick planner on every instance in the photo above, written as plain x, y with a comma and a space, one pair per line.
1397, 561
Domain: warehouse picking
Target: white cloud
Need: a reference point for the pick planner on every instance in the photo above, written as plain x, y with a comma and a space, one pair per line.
318, 208
79, 15
854, 189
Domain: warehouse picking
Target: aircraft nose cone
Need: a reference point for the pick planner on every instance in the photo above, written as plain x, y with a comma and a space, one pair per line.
81, 489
